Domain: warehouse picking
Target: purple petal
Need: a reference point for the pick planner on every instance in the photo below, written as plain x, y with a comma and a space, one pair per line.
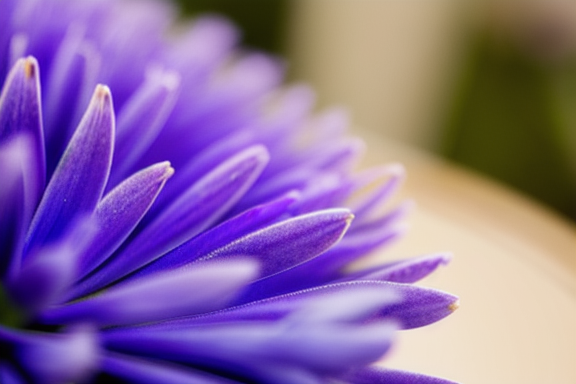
225, 233
54, 358
143, 116
322, 347
190, 291
406, 271
143, 371
374, 375
196, 209
395, 174
78, 182
119, 212
286, 244
9, 375
49, 271
417, 306
70, 82
14, 217
20, 113
364, 299
323, 269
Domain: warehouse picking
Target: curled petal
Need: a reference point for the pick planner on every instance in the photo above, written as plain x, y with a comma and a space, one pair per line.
78, 182
190, 291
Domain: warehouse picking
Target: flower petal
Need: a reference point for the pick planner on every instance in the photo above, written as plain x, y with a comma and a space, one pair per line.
405, 271
321, 347
147, 371
142, 117
190, 291
54, 358
196, 209
78, 182
49, 271
374, 375
225, 233
286, 244
20, 113
417, 306
119, 212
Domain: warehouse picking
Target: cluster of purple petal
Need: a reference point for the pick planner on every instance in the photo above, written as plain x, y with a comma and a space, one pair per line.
185, 222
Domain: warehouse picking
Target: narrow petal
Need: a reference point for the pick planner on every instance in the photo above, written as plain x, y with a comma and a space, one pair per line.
405, 271
327, 267
376, 375
143, 116
162, 296
321, 347
70, 82
20, 114
286, 244
225, 233
147, 371
196, 209
119, 212
14, 216
78, 182
417, 307
55, 358
364, 299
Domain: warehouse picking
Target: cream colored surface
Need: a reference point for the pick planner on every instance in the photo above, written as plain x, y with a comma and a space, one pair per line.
391, 62
514, 268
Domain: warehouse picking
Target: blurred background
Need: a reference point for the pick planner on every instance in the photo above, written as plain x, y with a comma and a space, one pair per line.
489, 84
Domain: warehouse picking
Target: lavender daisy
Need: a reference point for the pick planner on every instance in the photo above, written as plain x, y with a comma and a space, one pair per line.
170, 213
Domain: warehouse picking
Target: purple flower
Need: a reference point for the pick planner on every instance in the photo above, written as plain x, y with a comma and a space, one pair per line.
190, 221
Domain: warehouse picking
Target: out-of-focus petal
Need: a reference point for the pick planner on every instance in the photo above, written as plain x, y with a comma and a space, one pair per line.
204, 288
55, 358
146, 371
374, 375
9, 375
49, 271
320, 347
78, 182
405, 271
142, 118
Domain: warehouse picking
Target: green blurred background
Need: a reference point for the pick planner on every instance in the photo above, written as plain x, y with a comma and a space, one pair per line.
508, 108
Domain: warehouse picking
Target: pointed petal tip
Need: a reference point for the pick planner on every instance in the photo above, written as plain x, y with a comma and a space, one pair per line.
454, 305
30, 65
102, 96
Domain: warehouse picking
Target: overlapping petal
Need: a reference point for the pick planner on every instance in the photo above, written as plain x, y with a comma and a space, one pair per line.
207, 238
